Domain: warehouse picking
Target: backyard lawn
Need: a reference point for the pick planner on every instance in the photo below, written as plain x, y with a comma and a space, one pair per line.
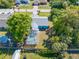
28, 55
33, 56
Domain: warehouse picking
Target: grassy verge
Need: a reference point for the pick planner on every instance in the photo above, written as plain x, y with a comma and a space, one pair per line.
44, 14
29, 13
44, 6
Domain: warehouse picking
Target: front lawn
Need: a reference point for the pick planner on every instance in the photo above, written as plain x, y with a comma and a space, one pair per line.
8, 55
46, 14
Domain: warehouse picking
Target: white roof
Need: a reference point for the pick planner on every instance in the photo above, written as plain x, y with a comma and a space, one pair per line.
40, 21
5, 13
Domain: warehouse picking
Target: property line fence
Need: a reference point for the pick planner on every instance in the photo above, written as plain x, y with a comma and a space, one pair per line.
34, 49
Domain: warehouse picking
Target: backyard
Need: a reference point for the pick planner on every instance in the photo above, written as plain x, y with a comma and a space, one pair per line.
7, 54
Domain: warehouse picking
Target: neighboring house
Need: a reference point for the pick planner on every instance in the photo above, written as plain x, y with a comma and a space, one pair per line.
18, 2
77, 2
3, 20
43, 2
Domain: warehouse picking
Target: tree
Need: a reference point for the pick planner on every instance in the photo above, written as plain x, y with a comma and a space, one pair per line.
59, 4
19, 26
6, 3
56, 47
73, 1
65, 31
66, 24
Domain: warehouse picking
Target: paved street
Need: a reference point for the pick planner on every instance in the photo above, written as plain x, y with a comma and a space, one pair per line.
23, 10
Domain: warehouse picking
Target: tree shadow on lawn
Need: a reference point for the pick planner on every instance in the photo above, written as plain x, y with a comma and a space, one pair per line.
46, 53
6, 51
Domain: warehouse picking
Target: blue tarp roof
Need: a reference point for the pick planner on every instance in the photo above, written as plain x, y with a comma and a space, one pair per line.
3, 39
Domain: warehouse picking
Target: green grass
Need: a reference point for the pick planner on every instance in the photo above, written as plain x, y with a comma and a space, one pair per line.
46, 14
28, 55
33, 56
29, 13
44, 6
5, 56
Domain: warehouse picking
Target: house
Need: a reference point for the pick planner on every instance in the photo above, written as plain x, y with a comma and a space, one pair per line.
18, 2
77, 3
41, 2
42, 22
4, 15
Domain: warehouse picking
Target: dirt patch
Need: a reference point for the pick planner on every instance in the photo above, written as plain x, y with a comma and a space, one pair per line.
41, 37
74, 56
